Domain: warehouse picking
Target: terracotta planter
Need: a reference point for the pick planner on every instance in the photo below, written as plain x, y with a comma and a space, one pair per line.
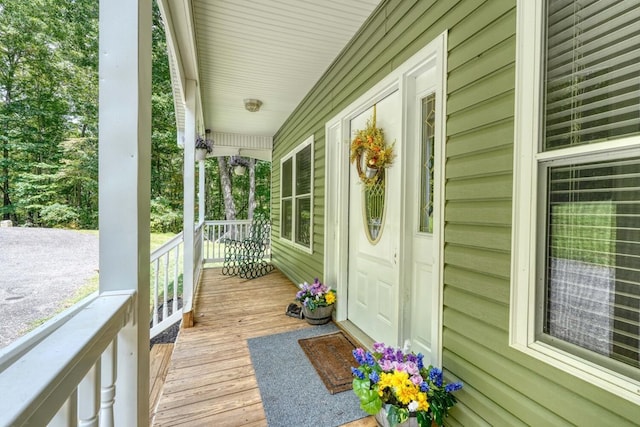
319, 316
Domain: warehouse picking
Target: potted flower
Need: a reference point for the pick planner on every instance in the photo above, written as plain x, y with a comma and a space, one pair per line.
203, 147
317, 301
370, 152
397, 388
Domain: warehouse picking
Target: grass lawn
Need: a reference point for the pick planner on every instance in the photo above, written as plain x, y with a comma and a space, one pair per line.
91, 286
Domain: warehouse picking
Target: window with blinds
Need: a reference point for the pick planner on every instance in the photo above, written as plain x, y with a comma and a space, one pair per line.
286, 199
590, 251
592, 77
303, 196
296, 177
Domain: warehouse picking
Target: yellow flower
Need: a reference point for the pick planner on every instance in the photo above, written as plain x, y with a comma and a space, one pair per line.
399, 378
423, 404
384, 382
406, 392
330, 297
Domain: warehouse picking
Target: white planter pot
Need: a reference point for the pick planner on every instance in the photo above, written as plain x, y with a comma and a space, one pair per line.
201, 154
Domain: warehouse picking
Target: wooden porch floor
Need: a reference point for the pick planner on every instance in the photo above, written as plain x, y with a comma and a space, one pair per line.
211, 381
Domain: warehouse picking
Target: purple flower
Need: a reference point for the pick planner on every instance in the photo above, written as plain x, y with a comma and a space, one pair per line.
378, 347
374, 377
412, 368
450, 388
386, 365
424, 387
401, 367
417, 379
357, 373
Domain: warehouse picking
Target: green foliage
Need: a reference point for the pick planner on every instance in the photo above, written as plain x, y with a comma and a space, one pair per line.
397, 415
49, 123
58, 215
369, 400
163, 217
48, 93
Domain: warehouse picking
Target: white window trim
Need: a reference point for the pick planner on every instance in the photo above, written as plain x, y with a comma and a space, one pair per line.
529, 30
294, 223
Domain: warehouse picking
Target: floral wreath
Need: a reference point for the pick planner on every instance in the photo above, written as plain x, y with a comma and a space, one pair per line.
369, 149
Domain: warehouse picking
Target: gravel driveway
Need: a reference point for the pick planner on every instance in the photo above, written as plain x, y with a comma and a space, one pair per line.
39, 269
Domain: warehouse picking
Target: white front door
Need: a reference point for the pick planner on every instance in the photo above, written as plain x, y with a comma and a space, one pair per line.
373, 278
392, 286
422, 215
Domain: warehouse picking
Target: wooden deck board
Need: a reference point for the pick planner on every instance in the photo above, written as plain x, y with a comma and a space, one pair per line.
211, 381
160, 357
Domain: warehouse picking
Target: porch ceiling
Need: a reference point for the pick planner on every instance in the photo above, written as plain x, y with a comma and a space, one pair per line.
271, 50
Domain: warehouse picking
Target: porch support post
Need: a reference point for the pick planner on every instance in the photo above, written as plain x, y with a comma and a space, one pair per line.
189, 201
201, 193
124, 189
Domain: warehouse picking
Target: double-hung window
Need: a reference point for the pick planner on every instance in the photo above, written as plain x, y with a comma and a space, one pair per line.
576, 245
296, 196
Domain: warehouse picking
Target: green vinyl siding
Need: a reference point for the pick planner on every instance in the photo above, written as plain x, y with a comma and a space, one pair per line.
502, 385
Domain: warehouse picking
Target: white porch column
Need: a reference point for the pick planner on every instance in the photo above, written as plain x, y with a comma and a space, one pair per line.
189, 201
201, 192
124, 181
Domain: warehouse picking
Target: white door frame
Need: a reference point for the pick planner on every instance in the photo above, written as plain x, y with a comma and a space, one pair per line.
337, 165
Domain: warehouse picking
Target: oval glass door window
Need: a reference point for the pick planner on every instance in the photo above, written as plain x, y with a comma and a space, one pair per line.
374, 208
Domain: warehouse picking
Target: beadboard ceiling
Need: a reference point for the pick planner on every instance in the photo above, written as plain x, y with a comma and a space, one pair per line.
271, 50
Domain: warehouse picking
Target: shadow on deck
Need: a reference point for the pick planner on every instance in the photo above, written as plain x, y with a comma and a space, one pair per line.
211, 381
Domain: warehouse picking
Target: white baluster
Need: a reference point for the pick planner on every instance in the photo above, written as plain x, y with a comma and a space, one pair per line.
89, 397
165, 296
66, 415
176, 275
156, 266
109, 373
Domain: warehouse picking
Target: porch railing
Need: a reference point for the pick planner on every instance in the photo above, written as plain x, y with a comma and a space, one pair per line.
214, 234
65, 372
68, 375
166, 284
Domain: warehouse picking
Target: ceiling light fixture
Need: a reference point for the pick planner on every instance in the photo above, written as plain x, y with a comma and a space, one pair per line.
252, 105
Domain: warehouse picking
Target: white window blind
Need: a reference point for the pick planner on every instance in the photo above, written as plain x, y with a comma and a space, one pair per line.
286, 224
303, 196
591, 266
593, 257
592, 74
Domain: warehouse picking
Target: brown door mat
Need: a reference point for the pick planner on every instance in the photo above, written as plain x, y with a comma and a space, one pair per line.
332, 357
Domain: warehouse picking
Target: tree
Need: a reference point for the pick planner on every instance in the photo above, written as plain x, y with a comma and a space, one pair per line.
45, 97
166, 156
225, 183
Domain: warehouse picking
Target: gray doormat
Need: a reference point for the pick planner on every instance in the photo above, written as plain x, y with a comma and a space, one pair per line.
292, 392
